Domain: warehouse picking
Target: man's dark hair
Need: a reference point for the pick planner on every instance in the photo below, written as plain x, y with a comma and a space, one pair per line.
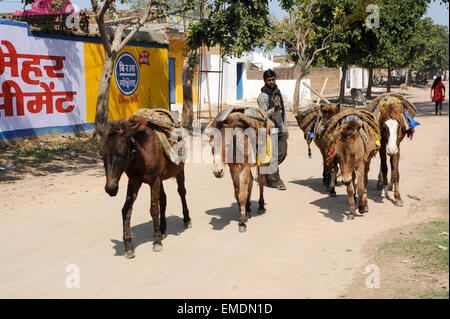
269, 73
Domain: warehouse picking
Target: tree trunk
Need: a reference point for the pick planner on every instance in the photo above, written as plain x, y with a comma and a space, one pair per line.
389, 81
369, 85
408, 77
101, 112
296, 100
187, 79
343, 78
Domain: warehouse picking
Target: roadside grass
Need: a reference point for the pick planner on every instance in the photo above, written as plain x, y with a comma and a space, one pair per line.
419, 259
421, 245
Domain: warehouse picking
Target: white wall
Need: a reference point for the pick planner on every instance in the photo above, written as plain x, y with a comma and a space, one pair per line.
251, 88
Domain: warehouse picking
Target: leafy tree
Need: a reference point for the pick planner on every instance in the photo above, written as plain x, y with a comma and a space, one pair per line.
432, 48
345, 48
235, 25
399, 20
303, 36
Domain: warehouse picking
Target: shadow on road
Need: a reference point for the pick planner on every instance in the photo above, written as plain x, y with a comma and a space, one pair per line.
228, 214
314, 183
143, 233
336, 208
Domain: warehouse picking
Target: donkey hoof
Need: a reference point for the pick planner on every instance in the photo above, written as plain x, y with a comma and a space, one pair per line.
366, 209
398, 203
261, 211
351, 217
248, 214
157, 246
390, 187
242, 228
129, 254
333, 194
188, 224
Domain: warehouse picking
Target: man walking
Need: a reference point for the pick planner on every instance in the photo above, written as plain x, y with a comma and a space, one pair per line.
271, 101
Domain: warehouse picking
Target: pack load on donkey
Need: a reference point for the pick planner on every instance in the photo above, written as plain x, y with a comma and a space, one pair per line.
248, 117
311, 118
409, 110
164, 123
369, 131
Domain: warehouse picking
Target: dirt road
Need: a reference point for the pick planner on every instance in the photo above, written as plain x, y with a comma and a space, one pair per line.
303, 247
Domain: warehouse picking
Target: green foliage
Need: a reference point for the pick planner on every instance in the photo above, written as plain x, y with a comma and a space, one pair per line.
431, 47
390, 45
236, 26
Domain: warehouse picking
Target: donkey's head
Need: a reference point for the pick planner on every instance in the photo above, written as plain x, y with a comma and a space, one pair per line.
215, 129
329, 110
349, 149
115, 149
390, 126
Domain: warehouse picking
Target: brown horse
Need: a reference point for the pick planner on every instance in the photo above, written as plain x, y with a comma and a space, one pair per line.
134, 148
349, 153
240, 170
393, 129
329, 171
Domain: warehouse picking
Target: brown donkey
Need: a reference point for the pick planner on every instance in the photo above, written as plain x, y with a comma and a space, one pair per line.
240, 170
393, 128
349, 153
135, 149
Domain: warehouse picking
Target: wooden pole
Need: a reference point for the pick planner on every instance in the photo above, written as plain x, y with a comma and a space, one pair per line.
321, 91
207, 86
315, 92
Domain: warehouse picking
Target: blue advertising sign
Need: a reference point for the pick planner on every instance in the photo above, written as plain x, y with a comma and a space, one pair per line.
126, 74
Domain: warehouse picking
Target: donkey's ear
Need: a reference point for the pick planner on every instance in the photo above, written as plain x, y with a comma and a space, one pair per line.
100, 129
133, 129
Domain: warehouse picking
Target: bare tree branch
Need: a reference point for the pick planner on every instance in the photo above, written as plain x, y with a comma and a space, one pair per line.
99, 17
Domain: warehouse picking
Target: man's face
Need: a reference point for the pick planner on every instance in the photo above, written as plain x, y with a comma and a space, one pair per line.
270, 81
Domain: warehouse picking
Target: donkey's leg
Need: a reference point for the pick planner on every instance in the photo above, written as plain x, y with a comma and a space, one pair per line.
240, 175
332, 179
262, 181
395, 159
182, 192
351, 201
162, 208
366, 181
248, 209
384, 169
380, 173
155, 186
362, 196
132, 191
325, 179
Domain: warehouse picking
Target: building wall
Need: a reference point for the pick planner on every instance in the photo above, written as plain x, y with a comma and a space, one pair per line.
56, 90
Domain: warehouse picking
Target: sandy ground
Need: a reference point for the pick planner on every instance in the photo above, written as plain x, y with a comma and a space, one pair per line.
303, 247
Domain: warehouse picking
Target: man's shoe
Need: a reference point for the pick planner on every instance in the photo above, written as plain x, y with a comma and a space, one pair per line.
280, 186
